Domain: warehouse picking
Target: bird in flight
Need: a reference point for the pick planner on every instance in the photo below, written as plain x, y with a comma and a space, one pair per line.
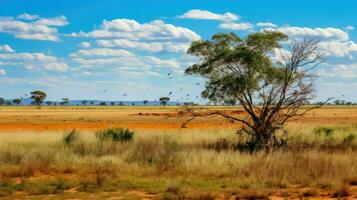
170, 93
197, 84
168, 74
124, 94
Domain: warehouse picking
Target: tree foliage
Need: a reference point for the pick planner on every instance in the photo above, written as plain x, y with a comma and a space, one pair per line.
243, 70
17, 101
164, 100
38, 97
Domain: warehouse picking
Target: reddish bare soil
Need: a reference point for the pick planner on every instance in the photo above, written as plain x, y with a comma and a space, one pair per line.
94, 118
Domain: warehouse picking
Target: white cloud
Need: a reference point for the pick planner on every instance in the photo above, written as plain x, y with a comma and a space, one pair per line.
2, 72
266, 24
84, 45
207, 15
235, 26
146, 46
26, 16
28, 56
350, 28
132, 30
56, 21
323, 33
41, 29
6, 48
61, 67
102, 52
340, 70
128, 62
338, 48
34, 61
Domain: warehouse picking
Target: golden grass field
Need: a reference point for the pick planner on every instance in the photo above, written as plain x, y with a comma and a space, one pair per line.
165, 161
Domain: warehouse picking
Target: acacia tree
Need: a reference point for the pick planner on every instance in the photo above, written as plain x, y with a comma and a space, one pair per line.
2, 101
16, 101
164, 100
145, 102
84, 102
270, 92
65, 101
38, 97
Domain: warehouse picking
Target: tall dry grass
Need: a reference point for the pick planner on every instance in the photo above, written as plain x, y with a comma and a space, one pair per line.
312, 160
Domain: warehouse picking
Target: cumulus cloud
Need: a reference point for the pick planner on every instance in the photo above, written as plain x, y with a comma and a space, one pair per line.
34, 61
207, 15
6, 48
338, 48
339, 70
56, 21
104, 52
2, 72
350, 28
145, 46
84, 45
41, 29
61, 67
26, 16
266, 24
322, 33
132, 30
236, 26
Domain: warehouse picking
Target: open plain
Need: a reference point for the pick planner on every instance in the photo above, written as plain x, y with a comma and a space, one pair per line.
165, 161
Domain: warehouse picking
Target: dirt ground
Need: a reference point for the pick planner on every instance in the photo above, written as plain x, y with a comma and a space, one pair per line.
94, 118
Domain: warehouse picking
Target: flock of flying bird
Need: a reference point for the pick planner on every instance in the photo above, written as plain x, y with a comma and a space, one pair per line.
169, 75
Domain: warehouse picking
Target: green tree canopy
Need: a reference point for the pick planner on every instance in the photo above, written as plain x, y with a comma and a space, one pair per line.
242, 70
38, 97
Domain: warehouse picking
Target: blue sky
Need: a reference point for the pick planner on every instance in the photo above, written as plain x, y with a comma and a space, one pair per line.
102, 49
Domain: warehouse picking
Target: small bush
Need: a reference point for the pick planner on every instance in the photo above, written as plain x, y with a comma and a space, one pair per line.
115, 135
70, 138
158, 151
349, 139
326, 131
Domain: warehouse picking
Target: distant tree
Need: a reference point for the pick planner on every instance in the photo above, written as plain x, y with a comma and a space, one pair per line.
49, 103
133, 104
38, 97
102, 103
244, 69
164, 100
17, 101
84, 102
145, 102
2, 101
121, 103
65, 101
230, 102
337, 102
112, 103
92, 103
8, 103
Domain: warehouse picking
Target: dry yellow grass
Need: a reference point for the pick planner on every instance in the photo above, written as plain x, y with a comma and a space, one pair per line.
166, 162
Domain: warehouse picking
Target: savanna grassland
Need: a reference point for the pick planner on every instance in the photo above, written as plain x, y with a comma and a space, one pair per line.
63, 152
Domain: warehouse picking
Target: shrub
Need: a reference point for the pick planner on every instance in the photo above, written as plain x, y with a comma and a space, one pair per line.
70, 138
349, 139
115, 135
327, 131
159, 151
